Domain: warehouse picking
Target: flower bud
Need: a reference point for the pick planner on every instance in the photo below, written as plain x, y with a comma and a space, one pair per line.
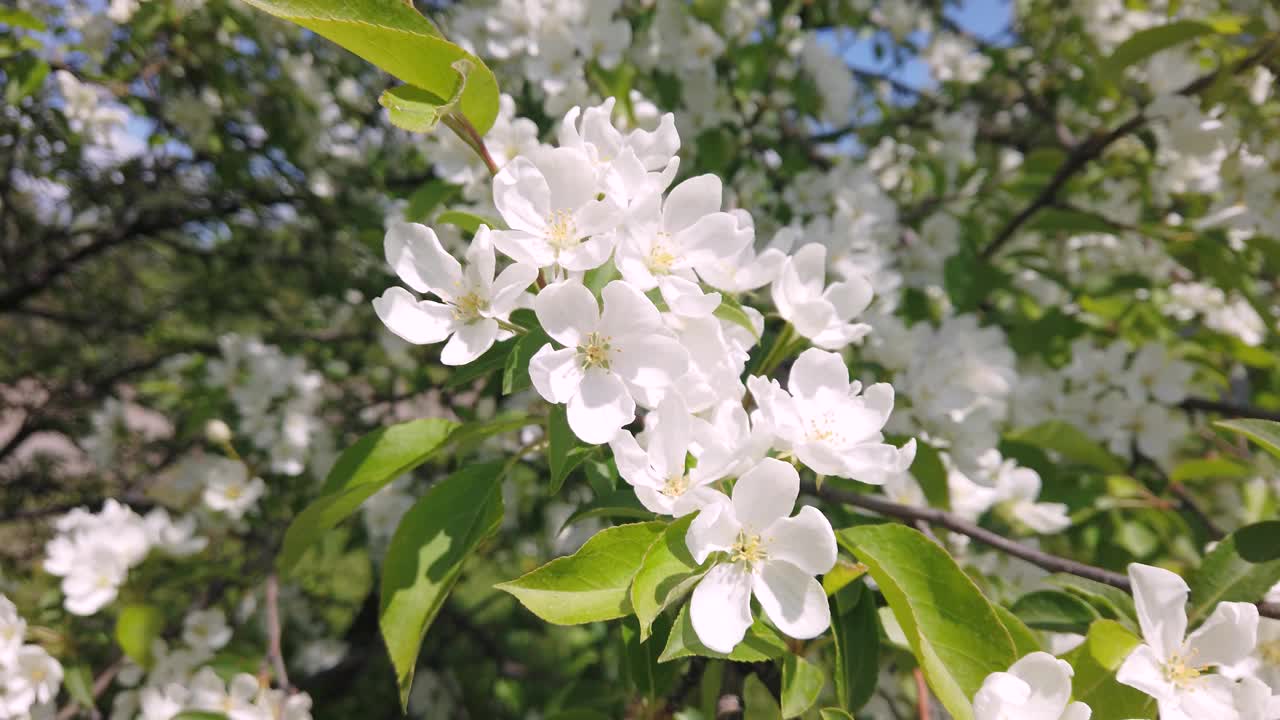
217, 432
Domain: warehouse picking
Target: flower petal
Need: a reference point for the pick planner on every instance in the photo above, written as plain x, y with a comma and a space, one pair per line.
1050, 681
1144, 670
765, 494
806, 541
721, 607
1227, 637
686, 299
669, 441
523, 247
556, 374
714, 530
600, 408
792, 599
627, 311
567, 311
522, 196
419, 322
690, 201
819, 376
418, 258
651, 361
509, 286
469, 342
1161, 599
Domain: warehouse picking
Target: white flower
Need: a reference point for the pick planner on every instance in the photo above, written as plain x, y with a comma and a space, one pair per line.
236, 701
552, 204
1264, 663
475, 303
228, 488
93, 580
1153, 374
637, 164
657, 469
609, 358
830, 424
12, 630
665, 242
162, 703
820, 312
176, 538
33, 678
206, 629
767, 554
749, 270
1020, 488
1171, 666
1037, 687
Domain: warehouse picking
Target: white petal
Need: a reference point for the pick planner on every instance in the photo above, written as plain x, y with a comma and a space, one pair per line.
1161, 599
469, 342
792, 599
806, 541
567, 311
690, 201
633, 461
1227, 637
522, 196
669, 441
588, 255
597, 217
721, 607
1077, 711
714, 530
416, 255
686, 299
509, 286
849, 298
1000, 694
1050, 681
812, 318
650, 361
819, 376
570, 177
556, 374
600, 408
1144, 670
524, 247
481, 262
627, 311
419, 322
765, 494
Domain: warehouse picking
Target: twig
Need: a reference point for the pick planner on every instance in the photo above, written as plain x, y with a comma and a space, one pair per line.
1053, 563
100, 685
1226, 408
1093, 147
922, 695
1191, 505
273, 633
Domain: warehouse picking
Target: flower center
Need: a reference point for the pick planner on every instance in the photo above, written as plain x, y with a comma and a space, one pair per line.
469, 307
1180, 671
562, 231
675, 486
823, 428
233, 492
1270, 652
749, 549
661, 257
596, 352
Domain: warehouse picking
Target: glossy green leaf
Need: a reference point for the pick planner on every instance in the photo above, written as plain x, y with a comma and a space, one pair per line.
1111, 603
1264, 432
762, 642
1071, 443
1095, 662
468, 221
1024, 640
515, 374
730, 311
929, 471
137, 626
1209, 469
954, 632
667, 573
592, 584
426, 555
1241, 568
802, 681
1055, 611
492, 359
1145, 43
834, 714
855, 628
564, 451
757, 702
653, 680
417, 110
397, 38
363, 469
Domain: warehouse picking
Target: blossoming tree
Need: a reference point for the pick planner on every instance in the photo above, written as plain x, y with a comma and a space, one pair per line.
645, 359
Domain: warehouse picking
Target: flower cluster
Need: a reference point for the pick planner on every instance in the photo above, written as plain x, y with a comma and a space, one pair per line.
29, 675
93, 552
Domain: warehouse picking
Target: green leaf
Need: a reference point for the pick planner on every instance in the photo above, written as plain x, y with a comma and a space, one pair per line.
762, 642
621, 503
1024, 641
1070, 442
363, 469
1264, 432
855, 627
929, 471
493, 358
1209, 469
757, 701
426, 555
427, 198
137, 626
564, 451
417, 110
730, 310
21, 19
652, 679
395, 37
1055, 611
1050, 220
834, 714
667, 573
1095, 662
801, 683
954, 632
1110, 602
79, 684
515, 375
591, 584
1241, 568
26, 75
1145, 43
468, 221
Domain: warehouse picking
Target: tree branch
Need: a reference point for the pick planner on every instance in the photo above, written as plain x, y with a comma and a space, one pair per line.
1226, 408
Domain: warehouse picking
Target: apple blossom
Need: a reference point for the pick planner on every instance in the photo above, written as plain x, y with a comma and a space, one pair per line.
657, 470
820, 312
1037, 687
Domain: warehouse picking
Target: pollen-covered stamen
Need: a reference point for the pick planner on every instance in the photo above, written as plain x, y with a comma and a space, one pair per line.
1270, 653
824, 428
661, 256
749, 549
470, 307
596, 351
1180, 670
562, 231
675, 486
